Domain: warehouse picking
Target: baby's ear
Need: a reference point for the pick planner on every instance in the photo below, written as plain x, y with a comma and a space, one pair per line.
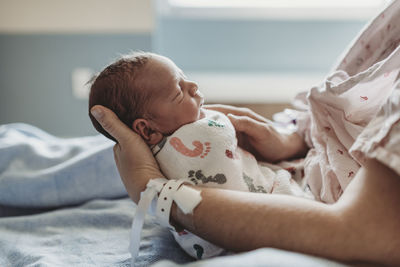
143, 128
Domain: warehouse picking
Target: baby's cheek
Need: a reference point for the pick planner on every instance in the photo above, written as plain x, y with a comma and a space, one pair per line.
186, 115
192, 113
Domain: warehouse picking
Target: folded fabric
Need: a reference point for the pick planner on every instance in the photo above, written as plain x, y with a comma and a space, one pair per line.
340, 109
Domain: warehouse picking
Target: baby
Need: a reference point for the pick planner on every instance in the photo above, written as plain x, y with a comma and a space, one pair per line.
154, 98
149, 93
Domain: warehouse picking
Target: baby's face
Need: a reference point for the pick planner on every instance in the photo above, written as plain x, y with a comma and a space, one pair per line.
175, 100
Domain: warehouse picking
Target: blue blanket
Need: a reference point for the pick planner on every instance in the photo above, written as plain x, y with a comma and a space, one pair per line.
40, 170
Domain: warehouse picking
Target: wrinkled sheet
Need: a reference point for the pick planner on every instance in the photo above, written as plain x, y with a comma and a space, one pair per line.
93, 234
97, 234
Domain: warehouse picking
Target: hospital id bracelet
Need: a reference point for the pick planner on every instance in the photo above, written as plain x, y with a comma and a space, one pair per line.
164, 202
185, 197
152, 188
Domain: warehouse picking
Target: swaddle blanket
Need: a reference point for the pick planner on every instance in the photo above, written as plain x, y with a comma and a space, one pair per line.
206, 153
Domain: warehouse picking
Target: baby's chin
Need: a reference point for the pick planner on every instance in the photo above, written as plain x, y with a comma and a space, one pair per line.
202, 114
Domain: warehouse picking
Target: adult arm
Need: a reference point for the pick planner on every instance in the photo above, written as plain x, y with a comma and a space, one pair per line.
362, 226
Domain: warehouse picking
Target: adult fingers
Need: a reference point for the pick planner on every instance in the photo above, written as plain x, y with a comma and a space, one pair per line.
226, 109
219, 107
238, 111
251, 127
111, 123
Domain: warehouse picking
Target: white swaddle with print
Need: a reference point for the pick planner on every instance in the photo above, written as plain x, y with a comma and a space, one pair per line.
206, 153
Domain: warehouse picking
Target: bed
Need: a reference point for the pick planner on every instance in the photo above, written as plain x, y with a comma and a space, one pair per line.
62, 203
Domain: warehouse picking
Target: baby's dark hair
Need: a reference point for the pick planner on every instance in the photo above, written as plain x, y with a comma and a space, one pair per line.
115, 87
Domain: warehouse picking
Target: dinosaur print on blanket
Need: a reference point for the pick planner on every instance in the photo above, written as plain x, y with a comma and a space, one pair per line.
215, 124
199, 251
250, 184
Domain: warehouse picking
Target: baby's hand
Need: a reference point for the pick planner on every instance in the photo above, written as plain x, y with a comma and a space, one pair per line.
134, 160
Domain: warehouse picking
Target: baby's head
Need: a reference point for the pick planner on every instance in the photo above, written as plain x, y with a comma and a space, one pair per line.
148, 93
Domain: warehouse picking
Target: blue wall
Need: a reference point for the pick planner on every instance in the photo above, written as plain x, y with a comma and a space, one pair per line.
254, 45
35, 69
35, 76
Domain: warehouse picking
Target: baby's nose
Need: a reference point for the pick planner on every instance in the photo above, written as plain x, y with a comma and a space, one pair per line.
193, 89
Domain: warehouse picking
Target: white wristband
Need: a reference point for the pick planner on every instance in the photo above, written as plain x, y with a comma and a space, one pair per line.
185, 197
152, 188
171, 190
164, 202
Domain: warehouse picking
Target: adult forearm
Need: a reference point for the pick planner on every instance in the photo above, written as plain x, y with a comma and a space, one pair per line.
362, 227
241, 221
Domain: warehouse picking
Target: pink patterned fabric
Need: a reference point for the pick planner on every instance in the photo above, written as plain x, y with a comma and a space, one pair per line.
355, 113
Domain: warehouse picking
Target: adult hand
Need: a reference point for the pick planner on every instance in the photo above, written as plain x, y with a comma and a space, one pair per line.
134, 160
257, 135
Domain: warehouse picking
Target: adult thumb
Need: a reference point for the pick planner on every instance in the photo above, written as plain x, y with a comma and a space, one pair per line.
110, 122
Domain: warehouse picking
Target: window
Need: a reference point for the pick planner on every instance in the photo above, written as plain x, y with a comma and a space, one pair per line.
272, 9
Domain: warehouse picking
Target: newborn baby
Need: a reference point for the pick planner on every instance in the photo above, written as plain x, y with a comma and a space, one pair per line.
154, 98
